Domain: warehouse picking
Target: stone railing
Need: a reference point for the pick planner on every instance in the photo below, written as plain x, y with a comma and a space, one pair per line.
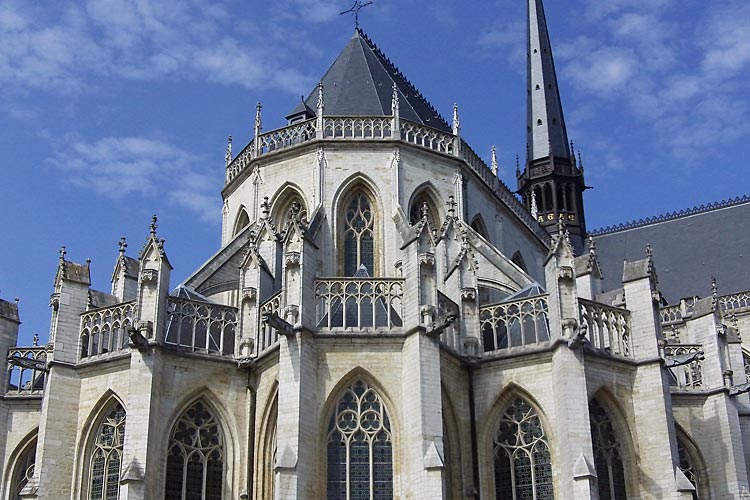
371, 303
351, 127
514, 324
104, 331
27, 369
427, 137
671, 314
689, 376
285, 137
608, 327
203, 327
267, 336
735, 302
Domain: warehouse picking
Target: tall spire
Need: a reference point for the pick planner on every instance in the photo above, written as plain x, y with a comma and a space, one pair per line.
547, 135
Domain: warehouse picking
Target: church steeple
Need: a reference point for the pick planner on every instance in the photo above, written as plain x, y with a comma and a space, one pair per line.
551, 179
546, 126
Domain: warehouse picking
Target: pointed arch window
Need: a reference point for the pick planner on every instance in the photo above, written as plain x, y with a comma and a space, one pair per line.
242, 221
195, 460
358, 235
359, 449
689, 466
24, 471
607, 455
106, 458
523, 462
420, 206
478, 225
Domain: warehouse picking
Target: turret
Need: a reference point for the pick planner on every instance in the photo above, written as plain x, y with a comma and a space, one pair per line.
125, 275
68, 301
153, 285
552, 178
9, 322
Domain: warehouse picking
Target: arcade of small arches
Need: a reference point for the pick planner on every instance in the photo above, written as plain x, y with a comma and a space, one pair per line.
358, 449
553, 197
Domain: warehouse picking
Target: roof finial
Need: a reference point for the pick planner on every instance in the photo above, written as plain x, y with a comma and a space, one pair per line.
36, 340
425, 210
518, 166
561, 224
228, 155
122, 246
394, 100
258, 120
152, 227
321, 101
649, 252
456, 120
494, 161
580, 161
592, 245
355, 11
265, 208
534, 207
63, 252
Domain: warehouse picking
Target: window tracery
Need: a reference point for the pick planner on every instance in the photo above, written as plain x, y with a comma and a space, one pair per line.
24, 471
359, 449
607, 455
359, 235
687, 466
523, 462
195, 460
106, 458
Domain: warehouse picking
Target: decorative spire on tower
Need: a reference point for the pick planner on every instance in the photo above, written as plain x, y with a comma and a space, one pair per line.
547, 135
228, 155
456, 120
494, 161
534, 208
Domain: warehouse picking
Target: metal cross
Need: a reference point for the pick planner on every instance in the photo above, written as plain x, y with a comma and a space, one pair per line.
355, 10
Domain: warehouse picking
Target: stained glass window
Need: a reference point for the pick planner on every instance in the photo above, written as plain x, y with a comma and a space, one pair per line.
359, 235
523, 462
687, 466
106, 458
24, 471
607, 455
195, 460
360, 454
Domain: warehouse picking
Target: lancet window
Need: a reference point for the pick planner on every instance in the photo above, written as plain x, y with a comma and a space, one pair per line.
359, 449
23, 471
106, 458
522, 458
607, 454
195, 460
359, 235
688, 467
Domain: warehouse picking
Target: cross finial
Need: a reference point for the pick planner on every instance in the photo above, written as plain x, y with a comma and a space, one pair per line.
355, 11
561, 224
265, 207
123, 246
62, 253
425, 210
152, 227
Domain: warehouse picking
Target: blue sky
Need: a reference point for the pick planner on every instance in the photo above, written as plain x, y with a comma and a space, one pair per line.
111, 110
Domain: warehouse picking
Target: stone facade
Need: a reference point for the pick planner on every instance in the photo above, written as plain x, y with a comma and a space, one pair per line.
449, 330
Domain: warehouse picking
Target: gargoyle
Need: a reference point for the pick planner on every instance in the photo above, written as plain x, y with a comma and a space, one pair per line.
274, 321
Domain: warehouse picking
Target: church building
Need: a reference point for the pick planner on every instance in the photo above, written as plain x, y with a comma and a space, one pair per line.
385, 319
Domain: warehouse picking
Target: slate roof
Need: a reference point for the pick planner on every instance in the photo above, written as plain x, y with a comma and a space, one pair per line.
690, 248
360, 83
184, 292
99, 299
9, 310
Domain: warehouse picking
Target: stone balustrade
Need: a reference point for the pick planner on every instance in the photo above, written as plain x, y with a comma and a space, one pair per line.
202, 327
514, 324
359, 304
267, 336
688, 377
26, 371
608, 327
104, 331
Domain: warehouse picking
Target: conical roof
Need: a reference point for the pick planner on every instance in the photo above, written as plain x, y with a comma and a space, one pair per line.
360, 83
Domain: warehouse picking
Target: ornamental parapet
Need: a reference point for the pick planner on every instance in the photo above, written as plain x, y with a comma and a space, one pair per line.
201, 327
685, 365
104, 331
359, 304
607, 327
380, 128
27, 371
516, 323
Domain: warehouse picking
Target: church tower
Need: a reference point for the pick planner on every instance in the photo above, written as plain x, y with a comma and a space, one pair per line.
552, 182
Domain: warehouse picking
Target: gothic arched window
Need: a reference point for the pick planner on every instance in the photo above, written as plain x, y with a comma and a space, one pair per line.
106, 457
242, 221
478, 225
607, 455
360, 453
195, 460
420, 204
358, 234
523, 462
23, 471
689, 465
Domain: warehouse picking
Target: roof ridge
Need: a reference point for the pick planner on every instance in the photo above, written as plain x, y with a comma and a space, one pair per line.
394, 69
699, 209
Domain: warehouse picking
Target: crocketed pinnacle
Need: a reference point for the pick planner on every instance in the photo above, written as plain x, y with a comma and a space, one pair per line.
546, 125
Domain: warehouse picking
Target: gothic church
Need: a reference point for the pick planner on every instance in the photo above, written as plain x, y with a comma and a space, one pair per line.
385, 319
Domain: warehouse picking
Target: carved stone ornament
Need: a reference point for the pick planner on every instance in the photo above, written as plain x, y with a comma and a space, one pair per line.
427, 313
249, 293
54, 301
150, 276
292, 259
247, 346
471, 346
469, 294
427, 259
291, 314
656, 296
565, 273
146, 328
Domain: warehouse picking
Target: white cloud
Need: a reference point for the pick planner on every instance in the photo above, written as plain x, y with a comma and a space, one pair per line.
130, 167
